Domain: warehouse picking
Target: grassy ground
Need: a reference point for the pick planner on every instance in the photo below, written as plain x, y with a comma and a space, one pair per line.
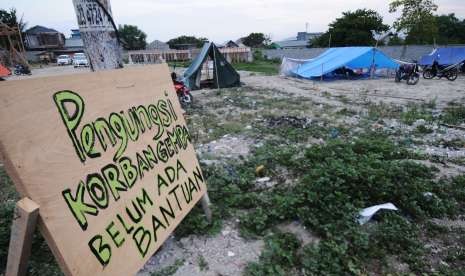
324, 186
42, 261
260, 66
179, 64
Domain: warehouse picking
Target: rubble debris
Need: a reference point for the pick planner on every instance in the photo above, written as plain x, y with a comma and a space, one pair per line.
289, 121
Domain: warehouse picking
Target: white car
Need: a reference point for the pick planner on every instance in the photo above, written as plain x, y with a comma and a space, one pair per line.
79, 60
64, 60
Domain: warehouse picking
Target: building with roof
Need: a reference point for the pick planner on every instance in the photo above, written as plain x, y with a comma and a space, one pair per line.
158, 45
75, 33
45, 44
231, 44
74, 43
42, 38
302, 40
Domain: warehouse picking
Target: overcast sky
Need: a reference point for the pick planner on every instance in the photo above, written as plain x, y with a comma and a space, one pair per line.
215, 19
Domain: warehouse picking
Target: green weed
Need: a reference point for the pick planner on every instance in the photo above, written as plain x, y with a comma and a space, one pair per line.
415, 113
278, 258
170, 270
336, 181
203, 264
454, 115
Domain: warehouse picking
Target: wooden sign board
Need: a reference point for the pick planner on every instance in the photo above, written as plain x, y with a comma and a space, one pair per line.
108, 158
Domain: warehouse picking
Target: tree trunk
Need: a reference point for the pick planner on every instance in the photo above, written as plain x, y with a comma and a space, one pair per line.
100, 40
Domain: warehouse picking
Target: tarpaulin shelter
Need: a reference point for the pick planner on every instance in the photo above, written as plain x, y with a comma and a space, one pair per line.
349, 57
224, 75
288, 65
4, 72
444, 56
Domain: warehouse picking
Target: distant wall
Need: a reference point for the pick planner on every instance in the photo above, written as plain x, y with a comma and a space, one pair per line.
238, 54
405, 53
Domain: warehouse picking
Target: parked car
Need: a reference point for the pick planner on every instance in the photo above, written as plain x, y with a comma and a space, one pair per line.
79, 60
64, 60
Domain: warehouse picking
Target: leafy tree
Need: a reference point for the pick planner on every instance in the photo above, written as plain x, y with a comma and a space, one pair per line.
352, 29
417, 20
255, 40
133, 38
450, 29
11, 19
395, 40
176, 42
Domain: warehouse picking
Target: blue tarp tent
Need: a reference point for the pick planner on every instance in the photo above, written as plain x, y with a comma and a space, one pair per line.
444, 56
349, 57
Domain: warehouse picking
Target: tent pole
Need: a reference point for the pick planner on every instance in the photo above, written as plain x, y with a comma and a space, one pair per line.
373, 62
216, 68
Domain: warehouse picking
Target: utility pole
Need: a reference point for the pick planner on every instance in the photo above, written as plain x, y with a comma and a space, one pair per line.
99, 34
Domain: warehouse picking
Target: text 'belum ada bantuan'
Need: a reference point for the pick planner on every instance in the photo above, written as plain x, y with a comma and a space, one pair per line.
173, 186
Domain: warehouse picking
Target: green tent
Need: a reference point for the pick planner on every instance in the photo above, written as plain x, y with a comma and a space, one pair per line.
224, 75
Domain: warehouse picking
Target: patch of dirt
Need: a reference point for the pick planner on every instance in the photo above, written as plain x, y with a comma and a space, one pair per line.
226, 147
375, 90
446, 170
225, 254
289, 121
458, 223
300, 231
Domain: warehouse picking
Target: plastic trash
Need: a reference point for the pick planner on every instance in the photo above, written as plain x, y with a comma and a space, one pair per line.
260, 170
366, 214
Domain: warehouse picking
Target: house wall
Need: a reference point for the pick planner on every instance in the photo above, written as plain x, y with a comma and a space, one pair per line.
44, 40
32, 41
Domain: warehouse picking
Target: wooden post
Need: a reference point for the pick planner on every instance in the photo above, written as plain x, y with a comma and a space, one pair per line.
206, 207
205, 201
215, 68
98, 34
22, 231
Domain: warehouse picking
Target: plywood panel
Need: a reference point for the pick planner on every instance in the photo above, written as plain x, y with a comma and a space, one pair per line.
108, 158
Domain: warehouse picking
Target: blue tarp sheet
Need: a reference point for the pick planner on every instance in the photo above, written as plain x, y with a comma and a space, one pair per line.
350, 57
444, 56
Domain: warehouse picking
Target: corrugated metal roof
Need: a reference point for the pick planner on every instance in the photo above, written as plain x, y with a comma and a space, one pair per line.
40, 29
292, 43
158, 45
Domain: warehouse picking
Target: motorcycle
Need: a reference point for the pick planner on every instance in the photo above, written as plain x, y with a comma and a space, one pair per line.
21, 70
450, 72
408, 72
182, 91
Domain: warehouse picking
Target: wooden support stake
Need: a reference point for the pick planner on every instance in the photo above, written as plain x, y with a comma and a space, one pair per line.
205, 199
22, 231
206, 207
